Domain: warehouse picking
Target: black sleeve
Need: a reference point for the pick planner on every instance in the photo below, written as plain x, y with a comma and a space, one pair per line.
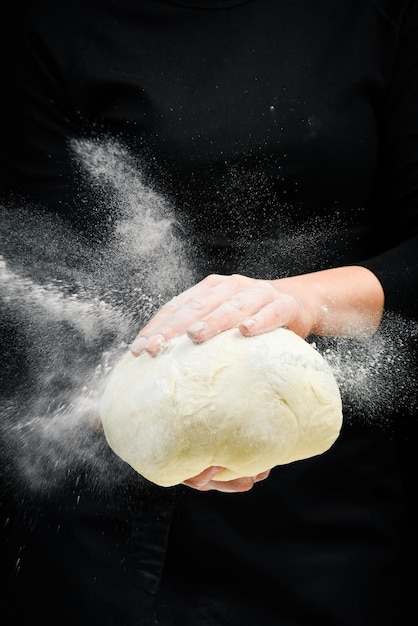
397, 268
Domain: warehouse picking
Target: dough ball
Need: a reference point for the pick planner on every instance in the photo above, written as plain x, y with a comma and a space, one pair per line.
244, 403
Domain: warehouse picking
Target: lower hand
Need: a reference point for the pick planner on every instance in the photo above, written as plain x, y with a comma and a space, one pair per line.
206, 481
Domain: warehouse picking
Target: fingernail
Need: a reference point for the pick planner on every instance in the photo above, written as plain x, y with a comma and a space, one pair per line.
197, 329
138, 345
248, 324
156, 344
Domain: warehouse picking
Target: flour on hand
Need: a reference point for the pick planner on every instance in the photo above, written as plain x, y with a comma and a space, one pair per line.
243, 403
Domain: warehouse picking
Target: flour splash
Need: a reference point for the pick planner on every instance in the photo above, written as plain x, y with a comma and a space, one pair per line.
70, 309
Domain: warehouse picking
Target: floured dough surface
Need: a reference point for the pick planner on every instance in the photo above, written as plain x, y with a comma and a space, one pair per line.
244, 403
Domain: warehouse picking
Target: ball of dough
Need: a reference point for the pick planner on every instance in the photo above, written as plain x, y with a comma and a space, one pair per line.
244, 403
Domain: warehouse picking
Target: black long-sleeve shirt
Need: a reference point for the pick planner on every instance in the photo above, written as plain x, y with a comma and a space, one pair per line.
283, 137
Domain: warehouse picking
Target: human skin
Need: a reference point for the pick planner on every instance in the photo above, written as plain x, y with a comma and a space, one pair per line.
339, 302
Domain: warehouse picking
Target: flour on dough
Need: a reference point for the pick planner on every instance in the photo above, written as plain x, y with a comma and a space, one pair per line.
244, 403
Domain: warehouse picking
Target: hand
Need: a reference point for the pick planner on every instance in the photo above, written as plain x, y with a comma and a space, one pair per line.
205, 481
218, 303
339, 302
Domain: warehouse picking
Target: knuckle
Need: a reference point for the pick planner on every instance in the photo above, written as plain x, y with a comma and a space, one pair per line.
212, 279
196, 303
171, 305
235, 304
235, 279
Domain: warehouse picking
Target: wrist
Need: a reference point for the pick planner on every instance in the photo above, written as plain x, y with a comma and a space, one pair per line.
345, 301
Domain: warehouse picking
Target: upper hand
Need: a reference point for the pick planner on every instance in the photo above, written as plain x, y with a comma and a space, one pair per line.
218, 303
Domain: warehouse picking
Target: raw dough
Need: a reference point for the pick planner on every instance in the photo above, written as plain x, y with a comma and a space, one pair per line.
244, 403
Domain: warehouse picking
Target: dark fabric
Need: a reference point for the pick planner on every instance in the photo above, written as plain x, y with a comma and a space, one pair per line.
285, 135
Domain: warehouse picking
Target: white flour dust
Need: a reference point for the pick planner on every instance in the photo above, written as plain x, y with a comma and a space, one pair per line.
69, 308
377, 375
143, 243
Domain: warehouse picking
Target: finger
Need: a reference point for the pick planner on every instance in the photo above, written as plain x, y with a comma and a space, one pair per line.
233, 312
238, 485
262, 476
177, 314
154, 337
202, 479
283, 311
225, 316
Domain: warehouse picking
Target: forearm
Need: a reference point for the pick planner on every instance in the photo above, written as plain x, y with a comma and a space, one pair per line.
344, 301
